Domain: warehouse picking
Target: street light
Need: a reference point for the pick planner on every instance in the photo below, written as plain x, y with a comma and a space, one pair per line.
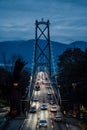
75, 101
58, 90
15, 84
52, 127
73, 85
60, 101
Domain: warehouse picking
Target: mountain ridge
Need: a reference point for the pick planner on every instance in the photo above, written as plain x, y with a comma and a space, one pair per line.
25, 49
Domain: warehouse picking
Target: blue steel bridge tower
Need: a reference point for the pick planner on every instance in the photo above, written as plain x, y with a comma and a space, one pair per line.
42, 48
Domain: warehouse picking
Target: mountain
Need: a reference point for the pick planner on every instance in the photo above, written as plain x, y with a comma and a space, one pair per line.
26, 48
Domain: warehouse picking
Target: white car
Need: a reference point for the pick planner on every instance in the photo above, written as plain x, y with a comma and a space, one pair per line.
53, 108
49, 92
52, 101
35, 99
58, 117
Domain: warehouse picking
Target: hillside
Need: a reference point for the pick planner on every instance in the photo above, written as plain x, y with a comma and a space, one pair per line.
25, 49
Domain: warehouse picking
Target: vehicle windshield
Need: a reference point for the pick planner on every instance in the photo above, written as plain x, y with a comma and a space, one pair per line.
33, 107
42, 121
43, 105
53, 106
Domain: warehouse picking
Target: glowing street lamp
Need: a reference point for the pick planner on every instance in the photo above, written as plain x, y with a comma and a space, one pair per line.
15, 84
73, 85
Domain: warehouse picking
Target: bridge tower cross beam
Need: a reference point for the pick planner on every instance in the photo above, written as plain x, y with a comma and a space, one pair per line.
42, 50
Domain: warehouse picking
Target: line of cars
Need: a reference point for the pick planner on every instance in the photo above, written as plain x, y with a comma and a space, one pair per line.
58, 116
54, 108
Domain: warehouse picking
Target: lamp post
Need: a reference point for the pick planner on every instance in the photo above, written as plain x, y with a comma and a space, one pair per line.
15, 99
58, 91
29, 93
60, 101
73, 85
75, 101
15, 84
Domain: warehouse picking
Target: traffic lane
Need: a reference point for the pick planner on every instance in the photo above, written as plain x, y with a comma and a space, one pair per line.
15, 124
59, 126
43, 97
33, 118
31, 121
44, 114
62, 125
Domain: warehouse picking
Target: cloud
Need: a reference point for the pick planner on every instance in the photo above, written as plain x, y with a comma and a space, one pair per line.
67, 18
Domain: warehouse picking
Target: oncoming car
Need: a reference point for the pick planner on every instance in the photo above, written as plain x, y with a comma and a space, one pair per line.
32, 109
53, 108
52, 102
43, 123
35, 99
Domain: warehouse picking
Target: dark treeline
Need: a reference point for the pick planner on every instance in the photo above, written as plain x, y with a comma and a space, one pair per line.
18, 74
72, 74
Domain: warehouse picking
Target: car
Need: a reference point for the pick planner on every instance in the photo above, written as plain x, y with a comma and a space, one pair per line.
49, 92
69, 115
43, 106
42, 123
53, 108
32, 109
35, 99
58, 117
52, 102
46, 78
37, 87
48, 87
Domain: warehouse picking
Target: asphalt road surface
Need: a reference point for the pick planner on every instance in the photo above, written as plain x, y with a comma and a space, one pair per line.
32, 121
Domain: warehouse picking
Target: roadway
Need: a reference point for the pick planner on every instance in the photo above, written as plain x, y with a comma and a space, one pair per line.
31, 123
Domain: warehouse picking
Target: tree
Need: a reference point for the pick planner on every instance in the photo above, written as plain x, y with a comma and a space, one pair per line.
72, 68
13, 73
16, 90
19, 65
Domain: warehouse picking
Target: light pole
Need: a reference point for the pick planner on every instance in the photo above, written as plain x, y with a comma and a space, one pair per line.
29, 92
75, 101
58, 91
60, 101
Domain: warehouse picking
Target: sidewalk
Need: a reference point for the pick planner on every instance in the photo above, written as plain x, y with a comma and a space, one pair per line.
8, 123
16, 123
72, 123
3, 120
83, 124
72, 127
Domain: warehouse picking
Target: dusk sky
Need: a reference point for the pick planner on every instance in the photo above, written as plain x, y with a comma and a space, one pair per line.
68, 19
